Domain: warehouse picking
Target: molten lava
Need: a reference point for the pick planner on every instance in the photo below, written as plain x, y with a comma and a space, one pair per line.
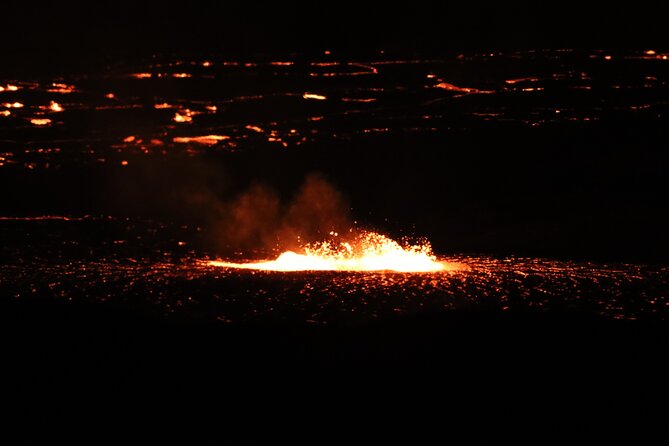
368, 252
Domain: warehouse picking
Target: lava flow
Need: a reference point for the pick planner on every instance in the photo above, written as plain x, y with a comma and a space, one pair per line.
368, 252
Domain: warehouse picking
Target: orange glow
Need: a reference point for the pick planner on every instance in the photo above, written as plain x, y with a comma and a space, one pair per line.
55, 107
607, 57
124, 163
110, 96
182, 75
40, 121
5, 113
62, 88
318, 97
141, 75
13, 105
206, 63
255, 128
281, 64
184, 116
208, 140
163, 105
522, 79
650, 52
369, 252
324, 64
451, 87
358, 99
129, 139
8, 88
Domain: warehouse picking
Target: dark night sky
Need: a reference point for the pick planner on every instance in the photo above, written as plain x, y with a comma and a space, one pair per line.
75, 33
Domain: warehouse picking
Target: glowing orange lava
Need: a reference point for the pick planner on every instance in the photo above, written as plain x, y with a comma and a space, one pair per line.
55, 107
208, 140
369, 252
40, 121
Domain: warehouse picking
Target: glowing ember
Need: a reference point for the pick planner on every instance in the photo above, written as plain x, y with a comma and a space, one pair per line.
369, 252
181, 117
62, 88
255, 128
40, 121
317, 97
55, 107
209, 140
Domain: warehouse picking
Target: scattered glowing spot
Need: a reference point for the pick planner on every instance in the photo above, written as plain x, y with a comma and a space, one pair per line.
208, 140
46, 217
163, 106
255, 128
211, 108
141, 75
281, 64
40, 121
664, 57
182, 75
110, 96
369, 252
55, 107
129, 139
5, 113
13, 105
206, 63
607, 57
650, 52
317, 97
124, 163
327, 52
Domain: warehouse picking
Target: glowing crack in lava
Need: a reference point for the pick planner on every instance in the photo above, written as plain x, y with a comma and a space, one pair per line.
368, 252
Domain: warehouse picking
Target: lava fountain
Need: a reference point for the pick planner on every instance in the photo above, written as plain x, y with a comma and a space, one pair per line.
368, 252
